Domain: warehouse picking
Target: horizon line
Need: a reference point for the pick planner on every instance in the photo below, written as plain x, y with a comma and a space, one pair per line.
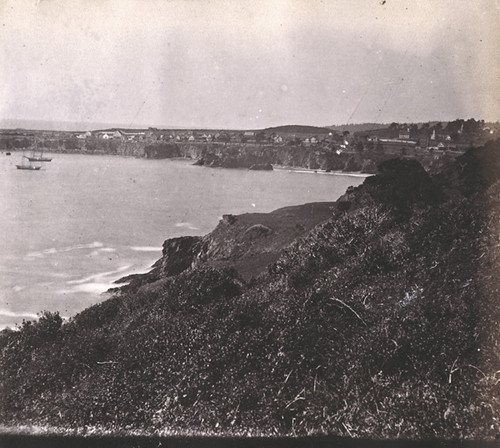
95, 126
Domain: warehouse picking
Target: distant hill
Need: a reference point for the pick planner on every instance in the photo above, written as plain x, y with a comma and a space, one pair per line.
47, 125
298, 129
358, 127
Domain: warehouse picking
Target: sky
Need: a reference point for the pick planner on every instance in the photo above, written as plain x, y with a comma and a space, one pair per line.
241, 64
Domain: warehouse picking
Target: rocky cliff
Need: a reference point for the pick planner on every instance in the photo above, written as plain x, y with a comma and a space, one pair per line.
321, 156
248, 243
255, 156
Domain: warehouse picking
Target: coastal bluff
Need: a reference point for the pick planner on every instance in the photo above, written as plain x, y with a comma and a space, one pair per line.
248, 243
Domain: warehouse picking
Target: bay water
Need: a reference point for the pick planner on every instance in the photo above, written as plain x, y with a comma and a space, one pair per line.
69, 230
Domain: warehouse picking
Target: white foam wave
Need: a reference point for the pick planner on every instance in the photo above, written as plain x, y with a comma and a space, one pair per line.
330, 173
8, 313
100, 251
89, 288
146, 248
97, 278
100, 282
35, 255
186, 225
53, 250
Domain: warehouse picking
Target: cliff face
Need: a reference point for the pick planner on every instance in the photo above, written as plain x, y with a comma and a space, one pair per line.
264, 156
250, 242
161, 151
375, 317
178, 254
324, 156
247, 243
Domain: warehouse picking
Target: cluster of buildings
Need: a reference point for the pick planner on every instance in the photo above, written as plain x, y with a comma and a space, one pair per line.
398, 139
113, 134
207, 136
395, 139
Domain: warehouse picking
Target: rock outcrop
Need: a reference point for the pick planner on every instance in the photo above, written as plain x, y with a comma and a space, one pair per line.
248, 243
178, 254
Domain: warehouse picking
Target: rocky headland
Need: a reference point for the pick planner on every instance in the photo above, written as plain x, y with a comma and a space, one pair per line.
375, 317
259, 157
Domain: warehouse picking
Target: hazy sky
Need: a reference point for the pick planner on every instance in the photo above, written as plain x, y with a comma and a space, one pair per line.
249, 64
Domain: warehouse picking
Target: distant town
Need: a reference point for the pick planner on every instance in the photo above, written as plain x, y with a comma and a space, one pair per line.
355, 147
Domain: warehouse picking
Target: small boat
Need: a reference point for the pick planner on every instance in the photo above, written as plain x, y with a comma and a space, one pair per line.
28, 167
33, 158
37, 158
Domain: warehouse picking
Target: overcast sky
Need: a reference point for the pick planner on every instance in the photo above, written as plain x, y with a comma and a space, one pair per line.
249, 64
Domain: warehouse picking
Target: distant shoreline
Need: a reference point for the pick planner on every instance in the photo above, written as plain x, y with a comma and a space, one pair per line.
319, 171
294, 169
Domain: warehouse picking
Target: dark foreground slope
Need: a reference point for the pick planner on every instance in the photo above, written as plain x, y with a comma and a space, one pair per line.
379, 322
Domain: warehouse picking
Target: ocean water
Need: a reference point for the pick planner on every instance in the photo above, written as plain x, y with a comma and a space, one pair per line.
81, 222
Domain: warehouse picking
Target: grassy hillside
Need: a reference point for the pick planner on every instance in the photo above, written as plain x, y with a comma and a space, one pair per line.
381, 321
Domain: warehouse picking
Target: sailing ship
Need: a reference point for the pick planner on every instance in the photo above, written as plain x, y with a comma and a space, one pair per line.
37, 158
27, 166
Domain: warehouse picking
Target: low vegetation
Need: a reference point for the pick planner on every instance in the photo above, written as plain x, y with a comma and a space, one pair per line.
381, 321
